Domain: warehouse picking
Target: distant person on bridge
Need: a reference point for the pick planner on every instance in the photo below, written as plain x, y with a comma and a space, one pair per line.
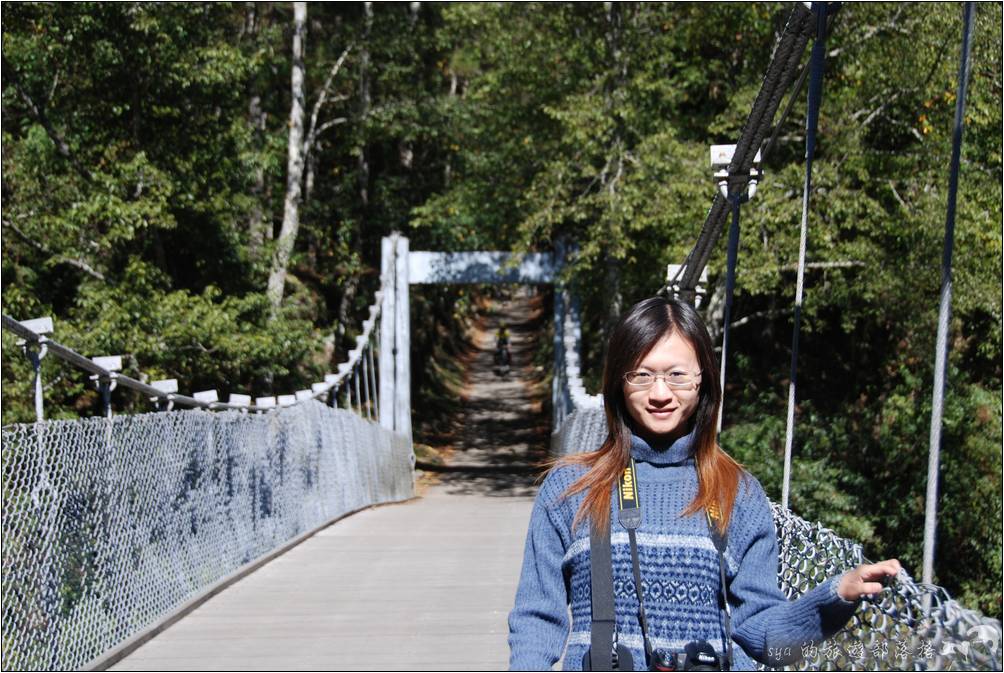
502, 337
502, 357
699, 517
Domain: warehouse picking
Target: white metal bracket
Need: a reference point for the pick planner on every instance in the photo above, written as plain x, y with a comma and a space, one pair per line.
721, 157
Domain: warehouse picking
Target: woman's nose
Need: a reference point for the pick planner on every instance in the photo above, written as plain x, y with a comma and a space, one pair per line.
660, 390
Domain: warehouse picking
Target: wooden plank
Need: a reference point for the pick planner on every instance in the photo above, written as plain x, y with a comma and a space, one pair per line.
425, 585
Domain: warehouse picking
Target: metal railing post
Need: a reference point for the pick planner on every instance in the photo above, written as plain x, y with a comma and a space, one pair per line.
348, 392
355, 384
35, 353
364, 365
374, 390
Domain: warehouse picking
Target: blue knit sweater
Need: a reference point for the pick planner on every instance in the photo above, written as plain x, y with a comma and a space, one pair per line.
680, 574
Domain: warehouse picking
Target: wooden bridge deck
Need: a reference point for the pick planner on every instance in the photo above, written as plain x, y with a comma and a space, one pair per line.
423, 585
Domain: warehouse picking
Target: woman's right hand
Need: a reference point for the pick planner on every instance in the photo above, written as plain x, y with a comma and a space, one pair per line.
866, 579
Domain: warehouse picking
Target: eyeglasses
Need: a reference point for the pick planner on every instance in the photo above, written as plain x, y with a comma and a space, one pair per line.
677, 380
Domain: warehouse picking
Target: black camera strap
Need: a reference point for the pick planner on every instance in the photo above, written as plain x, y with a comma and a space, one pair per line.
604, 625
721, 541
629, 514
604, 621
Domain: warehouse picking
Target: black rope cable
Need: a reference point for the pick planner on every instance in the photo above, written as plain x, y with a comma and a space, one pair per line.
735, 199
736, 196
780, 73
795, 91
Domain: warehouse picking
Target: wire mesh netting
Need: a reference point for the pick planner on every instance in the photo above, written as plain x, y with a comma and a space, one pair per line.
110, 523
910, 626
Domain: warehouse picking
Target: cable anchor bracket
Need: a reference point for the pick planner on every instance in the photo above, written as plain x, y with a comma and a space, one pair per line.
721, 158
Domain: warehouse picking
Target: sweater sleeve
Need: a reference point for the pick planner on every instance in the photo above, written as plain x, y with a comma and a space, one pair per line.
538, 623
768, 626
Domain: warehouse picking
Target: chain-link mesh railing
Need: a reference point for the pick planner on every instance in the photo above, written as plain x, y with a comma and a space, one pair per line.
110, 523
567, 390
909, 626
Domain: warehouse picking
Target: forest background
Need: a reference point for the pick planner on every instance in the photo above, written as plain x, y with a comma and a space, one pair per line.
203, 187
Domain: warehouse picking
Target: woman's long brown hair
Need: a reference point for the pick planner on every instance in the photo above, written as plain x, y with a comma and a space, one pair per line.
637, 332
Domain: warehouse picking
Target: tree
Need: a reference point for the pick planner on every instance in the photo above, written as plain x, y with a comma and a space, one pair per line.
298, 151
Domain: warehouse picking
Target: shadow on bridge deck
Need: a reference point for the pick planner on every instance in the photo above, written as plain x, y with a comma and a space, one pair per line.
424, 585
499, 431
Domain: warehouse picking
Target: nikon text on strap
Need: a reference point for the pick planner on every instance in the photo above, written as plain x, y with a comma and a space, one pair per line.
629, 514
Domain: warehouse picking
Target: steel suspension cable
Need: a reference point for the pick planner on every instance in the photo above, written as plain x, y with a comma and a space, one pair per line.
735, 200
781, 72
795, 91
945, 303
374, 375
816, 64
355, 383
365, 371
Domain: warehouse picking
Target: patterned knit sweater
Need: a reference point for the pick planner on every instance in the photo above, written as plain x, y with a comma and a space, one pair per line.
680, 575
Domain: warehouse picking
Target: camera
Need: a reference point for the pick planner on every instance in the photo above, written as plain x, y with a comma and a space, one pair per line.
620, 656
696, 656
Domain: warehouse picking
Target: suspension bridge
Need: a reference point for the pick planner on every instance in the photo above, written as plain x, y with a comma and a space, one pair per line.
294, 531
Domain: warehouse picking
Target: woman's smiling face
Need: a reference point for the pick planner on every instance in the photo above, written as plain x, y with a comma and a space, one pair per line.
661, 413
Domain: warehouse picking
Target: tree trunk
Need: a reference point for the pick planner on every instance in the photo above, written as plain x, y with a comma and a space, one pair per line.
294, 164
345, 307
260, 218
364, 105
714, 313
256, 218
615, 162
308, 183
406, 152
448, 167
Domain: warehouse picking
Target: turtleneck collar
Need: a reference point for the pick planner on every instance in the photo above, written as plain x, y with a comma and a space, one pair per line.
665, 453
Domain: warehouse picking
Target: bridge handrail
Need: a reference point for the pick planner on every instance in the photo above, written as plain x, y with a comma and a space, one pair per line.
332, 382
576, 388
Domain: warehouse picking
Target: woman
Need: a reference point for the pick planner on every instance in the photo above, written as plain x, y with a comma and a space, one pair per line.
661, 397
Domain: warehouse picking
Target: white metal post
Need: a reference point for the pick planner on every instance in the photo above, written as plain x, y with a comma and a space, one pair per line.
374, 391
388, 275
35, 354
402, 342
